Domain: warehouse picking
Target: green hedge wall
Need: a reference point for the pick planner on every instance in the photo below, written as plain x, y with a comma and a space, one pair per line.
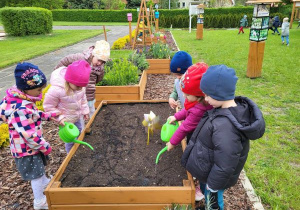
22, 21
179, 18
210, 21
84, 15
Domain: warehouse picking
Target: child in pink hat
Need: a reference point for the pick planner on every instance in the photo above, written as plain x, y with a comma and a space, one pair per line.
96, 56
67, 94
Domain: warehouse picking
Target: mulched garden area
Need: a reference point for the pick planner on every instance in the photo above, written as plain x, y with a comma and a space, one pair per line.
17, 194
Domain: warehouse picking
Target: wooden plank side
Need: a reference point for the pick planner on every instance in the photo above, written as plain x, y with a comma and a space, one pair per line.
142, 84
117, 96
117, 89
159, 71
112, 207
120, 195
163, 61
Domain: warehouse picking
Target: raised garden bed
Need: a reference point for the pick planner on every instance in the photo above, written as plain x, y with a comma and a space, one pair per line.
121, 172
159, 66
129, 92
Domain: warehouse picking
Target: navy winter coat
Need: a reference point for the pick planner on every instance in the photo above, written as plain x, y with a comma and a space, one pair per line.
219, 146
276, 22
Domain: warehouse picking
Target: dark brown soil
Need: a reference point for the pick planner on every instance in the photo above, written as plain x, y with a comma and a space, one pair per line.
122, 156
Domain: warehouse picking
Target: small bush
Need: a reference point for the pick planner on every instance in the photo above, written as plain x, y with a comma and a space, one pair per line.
120, 72
121, 42
4, 136
138, 60
24, 21
159, 51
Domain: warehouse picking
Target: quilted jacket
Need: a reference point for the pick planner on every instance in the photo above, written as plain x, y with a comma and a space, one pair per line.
24, 120
70, 106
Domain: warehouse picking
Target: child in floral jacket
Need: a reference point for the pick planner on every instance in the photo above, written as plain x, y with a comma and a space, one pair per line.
27, 144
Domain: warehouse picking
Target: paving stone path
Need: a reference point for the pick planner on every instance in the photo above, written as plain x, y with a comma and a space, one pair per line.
48, 61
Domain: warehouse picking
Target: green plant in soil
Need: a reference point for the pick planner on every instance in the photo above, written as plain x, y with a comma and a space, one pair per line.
119, 72
159, 51
138, 60
178, 207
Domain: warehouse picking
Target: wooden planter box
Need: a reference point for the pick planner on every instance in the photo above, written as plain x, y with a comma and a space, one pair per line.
159, 66
130, 92
116, 198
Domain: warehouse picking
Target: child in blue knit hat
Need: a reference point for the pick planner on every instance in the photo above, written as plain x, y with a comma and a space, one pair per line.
178, 66
219, 146
27, 144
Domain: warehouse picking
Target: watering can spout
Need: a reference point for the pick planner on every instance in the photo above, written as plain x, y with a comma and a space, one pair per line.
162, 151
167, 132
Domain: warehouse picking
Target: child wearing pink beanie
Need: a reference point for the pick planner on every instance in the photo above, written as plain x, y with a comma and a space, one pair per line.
67, 94
96, 56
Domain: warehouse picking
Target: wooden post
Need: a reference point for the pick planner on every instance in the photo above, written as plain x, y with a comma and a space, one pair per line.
156, 24
255, 59
292, 16
130, 38
199, 34
104, 33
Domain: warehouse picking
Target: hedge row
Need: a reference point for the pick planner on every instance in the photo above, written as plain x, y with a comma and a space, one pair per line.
84, 15
179, 18
22, 21
210, 21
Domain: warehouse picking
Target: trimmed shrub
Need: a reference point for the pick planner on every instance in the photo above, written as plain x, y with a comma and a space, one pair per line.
47, 4
24, 21
178, 18
121, 42
120, 72
86, 15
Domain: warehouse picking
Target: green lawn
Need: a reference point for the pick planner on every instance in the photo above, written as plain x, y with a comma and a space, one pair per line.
15, 49
274, 160
64, 23
119, 53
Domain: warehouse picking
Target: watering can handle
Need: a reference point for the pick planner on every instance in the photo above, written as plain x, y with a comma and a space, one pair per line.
176, 122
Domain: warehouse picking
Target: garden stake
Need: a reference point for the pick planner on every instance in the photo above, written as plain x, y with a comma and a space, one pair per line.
69, 133
166, 133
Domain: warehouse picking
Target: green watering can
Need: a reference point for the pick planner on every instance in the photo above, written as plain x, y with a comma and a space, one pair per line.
166, 133
69, 133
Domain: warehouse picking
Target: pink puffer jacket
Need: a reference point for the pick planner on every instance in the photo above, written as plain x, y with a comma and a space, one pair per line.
56, 99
